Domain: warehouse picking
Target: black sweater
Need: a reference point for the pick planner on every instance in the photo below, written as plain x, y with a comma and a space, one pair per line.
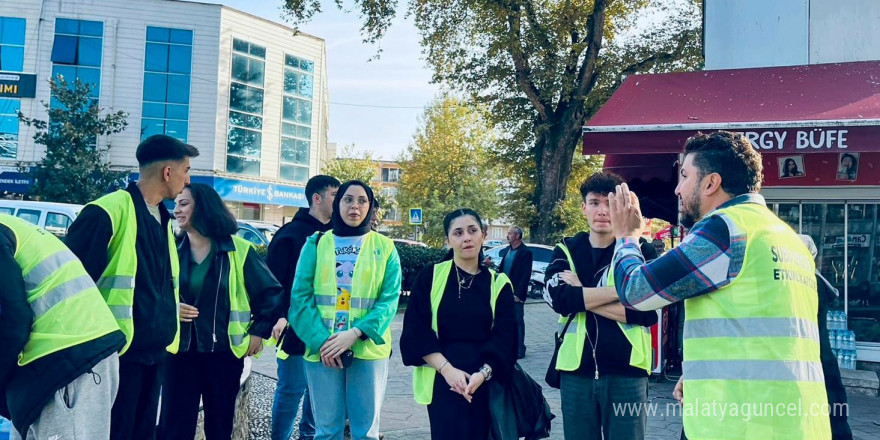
155, 308
263, 290
468, 337
28, 389
612, 348
282, 258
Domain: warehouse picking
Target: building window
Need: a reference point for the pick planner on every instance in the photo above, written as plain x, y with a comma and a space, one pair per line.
392, 215
390, 174
296, 118
76, 53
167, 78
12, 44
12, 32
245, 132
497, 232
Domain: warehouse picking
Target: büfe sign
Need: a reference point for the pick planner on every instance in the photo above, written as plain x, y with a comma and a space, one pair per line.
799, 140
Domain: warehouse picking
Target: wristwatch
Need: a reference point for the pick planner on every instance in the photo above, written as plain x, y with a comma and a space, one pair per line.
486, 370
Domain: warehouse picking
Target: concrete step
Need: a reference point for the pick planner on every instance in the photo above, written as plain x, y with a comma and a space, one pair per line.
861, 382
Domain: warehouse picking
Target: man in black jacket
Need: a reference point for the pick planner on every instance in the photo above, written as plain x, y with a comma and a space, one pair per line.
164, 171
60, 383
282, 258
516, 263
604, 376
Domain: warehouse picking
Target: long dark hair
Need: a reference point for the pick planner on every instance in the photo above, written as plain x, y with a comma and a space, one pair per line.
210, 216
790, 173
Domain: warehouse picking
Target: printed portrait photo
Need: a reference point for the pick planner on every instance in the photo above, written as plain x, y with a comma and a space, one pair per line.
791, 166
848, 166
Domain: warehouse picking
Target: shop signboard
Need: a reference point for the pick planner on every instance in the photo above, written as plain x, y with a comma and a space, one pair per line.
260, 192
18, 85
854, 240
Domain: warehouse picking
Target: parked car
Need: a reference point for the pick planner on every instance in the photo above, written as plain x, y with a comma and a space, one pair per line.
541, 255
268, 229
409, 242
53, 217
251, 234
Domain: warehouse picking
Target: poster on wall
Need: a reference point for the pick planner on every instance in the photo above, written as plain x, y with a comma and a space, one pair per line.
848, 166
791, 166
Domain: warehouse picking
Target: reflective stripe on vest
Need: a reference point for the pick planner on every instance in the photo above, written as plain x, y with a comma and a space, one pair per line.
68, 308
239, 305
756, 341
423, 377
366, 286
572, 350
117, 281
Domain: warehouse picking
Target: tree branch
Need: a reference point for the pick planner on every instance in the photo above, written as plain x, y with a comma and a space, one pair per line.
595, 28
657, 58
522, 69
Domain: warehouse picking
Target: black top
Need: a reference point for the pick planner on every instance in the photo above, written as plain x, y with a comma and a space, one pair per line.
467, 335
520, 270
263, 291
155, 308
612, 348
28, 389
282, 258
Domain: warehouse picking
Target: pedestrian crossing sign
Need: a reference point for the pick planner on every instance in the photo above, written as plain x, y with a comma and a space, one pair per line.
415, 216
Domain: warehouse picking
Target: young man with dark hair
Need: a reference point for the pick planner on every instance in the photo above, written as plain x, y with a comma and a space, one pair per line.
749, 289
282, 258
606, 352
125, 242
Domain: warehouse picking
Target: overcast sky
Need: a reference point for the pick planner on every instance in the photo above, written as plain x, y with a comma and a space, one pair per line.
362, 91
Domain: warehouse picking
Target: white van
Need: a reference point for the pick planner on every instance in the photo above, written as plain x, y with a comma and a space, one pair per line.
53, 217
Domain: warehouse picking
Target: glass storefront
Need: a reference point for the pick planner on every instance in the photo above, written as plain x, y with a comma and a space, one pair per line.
849, 255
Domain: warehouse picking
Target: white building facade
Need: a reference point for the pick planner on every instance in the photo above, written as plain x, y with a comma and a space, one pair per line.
247, 92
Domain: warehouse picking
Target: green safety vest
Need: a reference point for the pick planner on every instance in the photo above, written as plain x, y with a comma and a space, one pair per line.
239, 305
423, 377
366, 286
572, 349
68, 309
117, 281
754, 344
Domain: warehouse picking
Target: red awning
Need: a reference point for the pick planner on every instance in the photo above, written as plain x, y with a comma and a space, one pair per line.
801, 109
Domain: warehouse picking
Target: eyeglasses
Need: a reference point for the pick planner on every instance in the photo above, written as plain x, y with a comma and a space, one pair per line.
349, 200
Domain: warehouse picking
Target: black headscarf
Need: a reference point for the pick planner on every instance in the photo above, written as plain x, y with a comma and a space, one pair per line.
340, 228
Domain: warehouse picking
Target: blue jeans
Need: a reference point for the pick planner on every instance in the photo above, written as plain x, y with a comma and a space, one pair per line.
291, 389
357, 391
588, 407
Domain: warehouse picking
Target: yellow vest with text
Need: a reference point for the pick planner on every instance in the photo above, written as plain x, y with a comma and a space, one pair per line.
239, 304
423, 377
366, 286
753, 345
68, 309
117, 281
572, 349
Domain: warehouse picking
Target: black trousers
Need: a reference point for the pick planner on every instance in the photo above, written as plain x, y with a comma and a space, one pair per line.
133, 416
213, 377
519, 308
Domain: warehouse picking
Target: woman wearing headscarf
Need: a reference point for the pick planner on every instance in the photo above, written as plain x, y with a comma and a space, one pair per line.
459, 332
343, 300
229, 301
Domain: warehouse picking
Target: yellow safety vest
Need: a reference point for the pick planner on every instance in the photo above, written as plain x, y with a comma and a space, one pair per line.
572, 349
366, 286
117, 281
68, 309
239, 304
423, 377
753, 345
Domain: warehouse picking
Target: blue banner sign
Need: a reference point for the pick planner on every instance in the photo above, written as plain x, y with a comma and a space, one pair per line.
260, 192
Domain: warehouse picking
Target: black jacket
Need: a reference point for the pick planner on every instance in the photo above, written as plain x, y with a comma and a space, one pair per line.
28, 389
282, 258
520, 271
155, 308
211, 327
612, 348
834, 388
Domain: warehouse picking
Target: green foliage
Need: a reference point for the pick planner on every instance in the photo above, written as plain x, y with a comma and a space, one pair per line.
571, 213
74, 170
353, 165
415, 258
543, 68
447, 166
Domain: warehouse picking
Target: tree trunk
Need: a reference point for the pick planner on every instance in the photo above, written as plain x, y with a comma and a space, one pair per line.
554, 150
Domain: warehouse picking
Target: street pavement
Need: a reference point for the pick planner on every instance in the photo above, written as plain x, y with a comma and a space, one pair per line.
402, 418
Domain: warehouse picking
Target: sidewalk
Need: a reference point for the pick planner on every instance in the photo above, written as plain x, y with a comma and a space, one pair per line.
402, 418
